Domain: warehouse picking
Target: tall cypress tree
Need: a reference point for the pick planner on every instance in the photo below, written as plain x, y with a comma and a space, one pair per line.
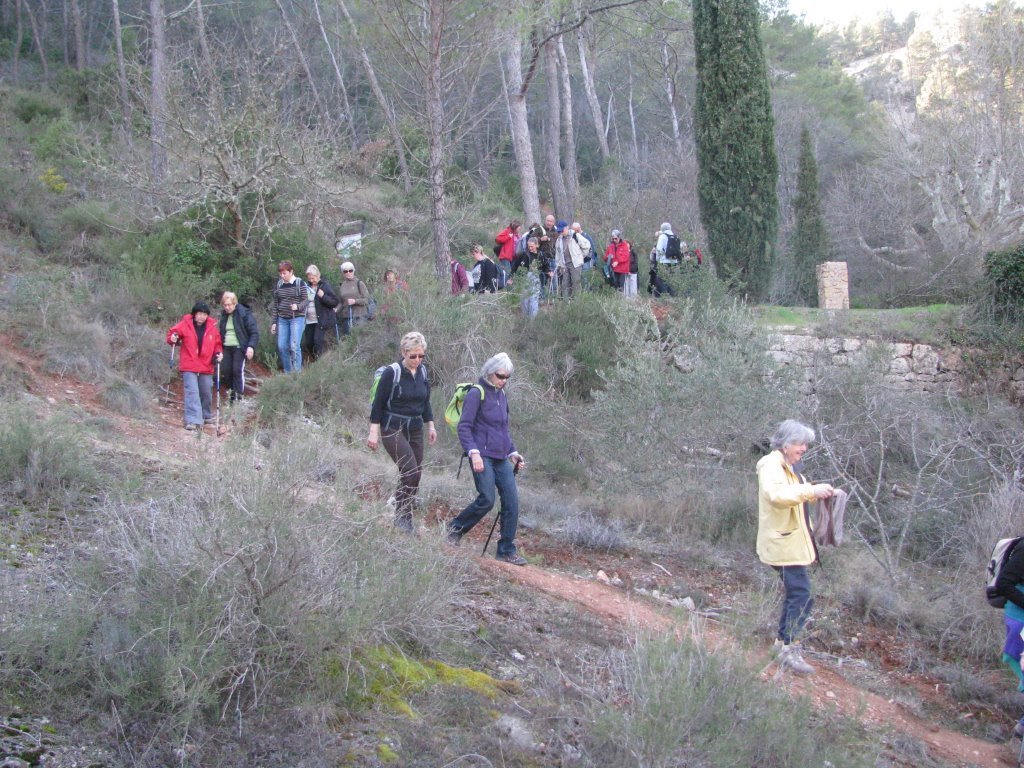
810, 240
735, 143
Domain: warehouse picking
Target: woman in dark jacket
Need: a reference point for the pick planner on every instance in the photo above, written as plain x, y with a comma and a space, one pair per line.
240, 333
484, 434
400, 410
321, 318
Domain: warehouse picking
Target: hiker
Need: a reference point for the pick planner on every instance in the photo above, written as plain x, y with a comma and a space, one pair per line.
547, 253
617, 255
485, 274
239, 333
484, 434
200, 347
665, 255
289, 313
505, 244
460, 280
629, 285
355, 299
393, 283
399, 412
784, 538
1010, 585
524, 257
589, 252
321, 329
531, 298
569, 250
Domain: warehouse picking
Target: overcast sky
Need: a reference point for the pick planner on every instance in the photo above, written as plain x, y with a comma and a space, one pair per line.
831, 11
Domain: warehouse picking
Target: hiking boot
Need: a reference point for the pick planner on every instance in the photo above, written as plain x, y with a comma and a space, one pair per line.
404, 524
453, 538
191, 427
1018, 730
792, 659
515, 559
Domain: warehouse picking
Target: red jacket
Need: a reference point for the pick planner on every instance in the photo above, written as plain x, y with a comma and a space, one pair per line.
192, 360
507, 239
619, 255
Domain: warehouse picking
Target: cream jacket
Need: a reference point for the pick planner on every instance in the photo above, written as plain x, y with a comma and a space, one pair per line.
783, 530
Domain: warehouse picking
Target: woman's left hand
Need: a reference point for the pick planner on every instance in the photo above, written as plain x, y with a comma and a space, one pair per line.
431, 433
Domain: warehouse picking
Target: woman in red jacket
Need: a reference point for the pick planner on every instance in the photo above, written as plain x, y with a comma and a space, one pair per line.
617, 255
506, 242
200, 346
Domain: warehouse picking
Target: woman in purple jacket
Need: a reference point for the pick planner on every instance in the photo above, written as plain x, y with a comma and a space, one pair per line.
484, 434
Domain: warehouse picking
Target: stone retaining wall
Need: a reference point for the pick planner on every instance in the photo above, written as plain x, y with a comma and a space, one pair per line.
912, 367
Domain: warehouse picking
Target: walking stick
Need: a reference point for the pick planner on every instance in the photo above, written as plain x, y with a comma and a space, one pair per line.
217, 425
494, 525
173, 347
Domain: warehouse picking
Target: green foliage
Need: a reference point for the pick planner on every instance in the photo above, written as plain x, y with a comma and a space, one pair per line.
34, 106
735, 143
226, 593
681, 705
575, 344
54, 140
45, 463
1004, 271
810, 241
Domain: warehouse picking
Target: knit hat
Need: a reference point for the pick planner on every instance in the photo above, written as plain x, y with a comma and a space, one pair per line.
200, 306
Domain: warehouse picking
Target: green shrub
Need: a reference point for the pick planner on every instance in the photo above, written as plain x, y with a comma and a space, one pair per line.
29, 106
126, 397
1004, 271
681, 705
232, 592
44, 462
54, 141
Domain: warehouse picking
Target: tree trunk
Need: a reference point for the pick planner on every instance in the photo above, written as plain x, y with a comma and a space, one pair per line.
157, 98
122, 76
591, 91
522, 142
670, 93
79, 29
385, 105
436, 141
632, 128
304, 64
204, 44
346, 108
553, 135
572, 176
37, 36
67, 28
18, 40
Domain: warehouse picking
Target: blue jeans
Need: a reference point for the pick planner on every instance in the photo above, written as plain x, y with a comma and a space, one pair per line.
198, 390
797, 603
289, 342
496, 475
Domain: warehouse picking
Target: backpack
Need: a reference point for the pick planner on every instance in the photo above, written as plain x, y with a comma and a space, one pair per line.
673, 248
453, 411
634, 262
1000, 554
521, 245
394, 381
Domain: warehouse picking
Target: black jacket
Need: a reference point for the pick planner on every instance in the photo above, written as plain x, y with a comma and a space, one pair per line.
488, 282
326, 317
1011, 575
246, 328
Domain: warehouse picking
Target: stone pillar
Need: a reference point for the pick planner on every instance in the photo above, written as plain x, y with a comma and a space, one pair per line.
833, 285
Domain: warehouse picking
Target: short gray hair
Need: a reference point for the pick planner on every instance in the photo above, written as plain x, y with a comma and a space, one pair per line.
791, 432
533, 241
500, 362
412, 340
666, 227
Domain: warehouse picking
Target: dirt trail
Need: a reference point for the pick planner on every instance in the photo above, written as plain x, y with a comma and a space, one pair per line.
162, 439
826, 688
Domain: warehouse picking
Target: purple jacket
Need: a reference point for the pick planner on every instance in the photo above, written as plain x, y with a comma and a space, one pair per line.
484, 423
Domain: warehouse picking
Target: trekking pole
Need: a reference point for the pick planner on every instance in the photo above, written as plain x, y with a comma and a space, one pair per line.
217, 423
173, 347
494, 525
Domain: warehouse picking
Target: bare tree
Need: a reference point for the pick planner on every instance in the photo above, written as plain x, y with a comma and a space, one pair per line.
522, 142
553, 134
346, 108
18, 40
79, 30
122, 75
304, 63
38, 37
588, 67
157, 97
572, 176
386, 107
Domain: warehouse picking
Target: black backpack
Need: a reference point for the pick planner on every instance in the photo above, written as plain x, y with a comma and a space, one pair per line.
1000, 554
634, 262
673, 249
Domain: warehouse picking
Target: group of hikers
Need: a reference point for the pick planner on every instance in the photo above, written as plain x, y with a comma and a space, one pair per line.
557, 256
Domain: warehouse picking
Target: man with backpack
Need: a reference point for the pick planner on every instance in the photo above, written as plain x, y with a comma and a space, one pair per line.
668, 250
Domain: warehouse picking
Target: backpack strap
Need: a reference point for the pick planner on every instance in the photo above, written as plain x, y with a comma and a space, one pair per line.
396, 375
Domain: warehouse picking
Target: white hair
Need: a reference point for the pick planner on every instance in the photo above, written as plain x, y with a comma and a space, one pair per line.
500, 362
791, 432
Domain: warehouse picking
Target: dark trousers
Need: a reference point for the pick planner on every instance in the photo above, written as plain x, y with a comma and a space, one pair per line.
316, 338
497, 475
405, 447
797, 602
232, 371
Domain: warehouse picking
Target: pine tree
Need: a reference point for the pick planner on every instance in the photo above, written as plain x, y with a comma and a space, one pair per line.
810, 240
735, 143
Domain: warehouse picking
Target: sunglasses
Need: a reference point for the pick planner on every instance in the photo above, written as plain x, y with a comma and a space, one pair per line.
347, 271
415, 357
503, 376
